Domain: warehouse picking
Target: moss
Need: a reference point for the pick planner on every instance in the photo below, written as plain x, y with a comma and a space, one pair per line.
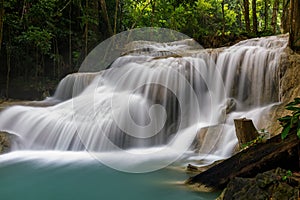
267, 185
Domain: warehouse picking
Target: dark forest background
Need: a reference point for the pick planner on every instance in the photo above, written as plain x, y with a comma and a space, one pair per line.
43, 40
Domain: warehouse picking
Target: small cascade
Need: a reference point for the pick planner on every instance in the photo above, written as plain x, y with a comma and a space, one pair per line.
156, 94
249, 70
72, 85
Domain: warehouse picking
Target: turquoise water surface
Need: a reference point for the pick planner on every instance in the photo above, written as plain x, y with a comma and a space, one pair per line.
55, 176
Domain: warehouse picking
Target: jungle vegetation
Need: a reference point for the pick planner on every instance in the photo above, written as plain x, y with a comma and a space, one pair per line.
46, 39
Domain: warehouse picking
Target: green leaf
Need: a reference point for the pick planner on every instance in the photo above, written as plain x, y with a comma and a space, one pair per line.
293, 103
285, 132
284, 178
298, 133
298, 129
297, 100
285, 118
293, 108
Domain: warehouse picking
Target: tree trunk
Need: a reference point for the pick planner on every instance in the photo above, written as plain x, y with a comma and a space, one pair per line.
297, 25
246, 15
223, 17
245, 131
105, 17
294, 41
86, 30
8, 56
94, 7
153, 7
36, 63
70, 35
254, 18
57, 60
285, 22
256, 159
1, 21
274, 15
266, 15
116, 17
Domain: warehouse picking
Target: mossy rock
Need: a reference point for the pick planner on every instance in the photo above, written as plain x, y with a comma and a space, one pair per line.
5, 142
272, 184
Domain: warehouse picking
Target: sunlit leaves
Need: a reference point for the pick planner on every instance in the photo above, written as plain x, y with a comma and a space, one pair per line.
203, 5
194, 18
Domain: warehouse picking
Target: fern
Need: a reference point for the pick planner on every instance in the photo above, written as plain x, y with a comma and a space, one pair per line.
291, 122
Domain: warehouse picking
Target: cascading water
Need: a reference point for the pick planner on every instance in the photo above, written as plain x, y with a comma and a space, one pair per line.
139, 115
71, 86
155, 96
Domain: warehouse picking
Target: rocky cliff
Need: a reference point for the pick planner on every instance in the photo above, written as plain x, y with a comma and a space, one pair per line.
289, 87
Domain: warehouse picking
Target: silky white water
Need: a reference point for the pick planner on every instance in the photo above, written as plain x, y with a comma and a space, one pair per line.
155, 96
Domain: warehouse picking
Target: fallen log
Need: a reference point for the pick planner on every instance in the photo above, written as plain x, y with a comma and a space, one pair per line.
247, 163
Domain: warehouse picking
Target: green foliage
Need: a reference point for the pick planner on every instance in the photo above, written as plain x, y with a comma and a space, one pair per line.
251, 143
52, 35
291, 123
38, 38
287, 175
263, 136
195, 18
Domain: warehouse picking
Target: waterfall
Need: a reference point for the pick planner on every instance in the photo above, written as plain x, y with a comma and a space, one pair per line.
71, 86
155, 95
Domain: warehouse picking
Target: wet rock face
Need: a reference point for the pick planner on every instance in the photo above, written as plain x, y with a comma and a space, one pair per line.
289, 88
289, 76
5, 142
275, 184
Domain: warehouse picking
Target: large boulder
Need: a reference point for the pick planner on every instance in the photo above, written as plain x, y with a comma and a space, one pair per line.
274, 184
